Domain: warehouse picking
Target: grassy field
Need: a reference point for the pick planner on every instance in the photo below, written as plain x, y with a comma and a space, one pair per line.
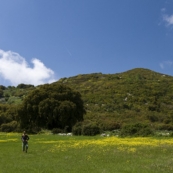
71, 154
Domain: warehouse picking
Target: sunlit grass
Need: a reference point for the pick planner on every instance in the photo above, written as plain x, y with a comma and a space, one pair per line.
61, 154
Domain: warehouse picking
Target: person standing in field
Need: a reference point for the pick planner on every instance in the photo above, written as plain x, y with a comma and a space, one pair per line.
25, 139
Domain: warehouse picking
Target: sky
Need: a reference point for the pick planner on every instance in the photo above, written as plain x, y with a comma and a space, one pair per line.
42, 41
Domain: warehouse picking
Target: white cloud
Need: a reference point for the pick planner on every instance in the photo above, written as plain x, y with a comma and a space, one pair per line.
166, 64
168, 19
16, 70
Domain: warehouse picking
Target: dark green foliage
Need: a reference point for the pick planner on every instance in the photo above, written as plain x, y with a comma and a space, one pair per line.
2, 87
109, 124
14, 95
165, 127
90, 129
136, 130
7, 114
56, 130
51, 106
86, 129
24, 86
7, 95
153, 118
77, 129
1, 93
9, 127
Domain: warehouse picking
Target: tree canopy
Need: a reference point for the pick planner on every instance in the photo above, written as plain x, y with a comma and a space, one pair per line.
51, 106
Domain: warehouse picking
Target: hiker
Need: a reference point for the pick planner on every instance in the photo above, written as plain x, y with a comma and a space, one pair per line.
25, 139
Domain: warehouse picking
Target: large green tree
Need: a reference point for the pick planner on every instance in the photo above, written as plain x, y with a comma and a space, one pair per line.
51, 106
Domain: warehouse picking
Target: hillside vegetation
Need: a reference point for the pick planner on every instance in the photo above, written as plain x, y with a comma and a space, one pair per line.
138, 95
115, 100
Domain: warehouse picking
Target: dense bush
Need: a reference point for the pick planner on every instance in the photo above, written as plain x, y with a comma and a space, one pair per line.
5, 118
2, 87
86, 129
90, 129
77, 129
137, 129
152, 118
23, 86
165, 127
9, 127
109, 125
56, 130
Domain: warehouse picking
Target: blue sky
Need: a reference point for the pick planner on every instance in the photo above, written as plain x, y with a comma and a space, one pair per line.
42, 41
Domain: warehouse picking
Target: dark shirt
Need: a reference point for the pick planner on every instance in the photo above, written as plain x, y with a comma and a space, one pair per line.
25, 138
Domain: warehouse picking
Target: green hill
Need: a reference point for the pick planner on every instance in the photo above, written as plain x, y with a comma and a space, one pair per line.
137, 95
113, 100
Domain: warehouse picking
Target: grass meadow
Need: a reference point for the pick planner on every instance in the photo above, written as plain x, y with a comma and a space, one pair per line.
72, 154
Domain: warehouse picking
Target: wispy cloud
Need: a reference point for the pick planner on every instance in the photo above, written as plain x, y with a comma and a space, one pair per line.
163, 9
166, 64
168, 19
16, 70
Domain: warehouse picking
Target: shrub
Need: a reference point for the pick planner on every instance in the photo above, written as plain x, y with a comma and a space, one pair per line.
56, 130
110, 125
2, 87
77, 129
9, 127
137, 129
86, 129
165, 127
152, 118
24, 86
90, 129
